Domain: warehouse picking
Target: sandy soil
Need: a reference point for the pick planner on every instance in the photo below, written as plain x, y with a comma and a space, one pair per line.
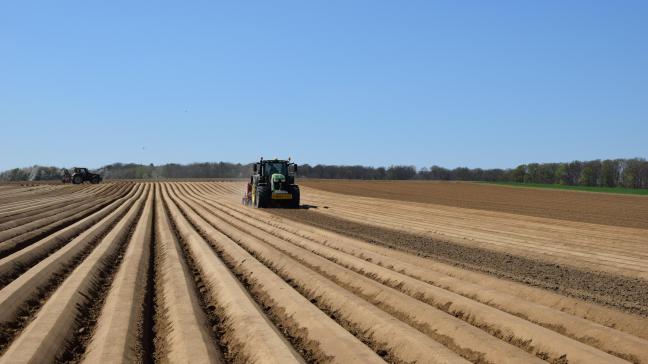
607, 248
630, 294
182, 272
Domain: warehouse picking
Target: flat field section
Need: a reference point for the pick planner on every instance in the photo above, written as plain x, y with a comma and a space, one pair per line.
597, 208
605, 247
181, 272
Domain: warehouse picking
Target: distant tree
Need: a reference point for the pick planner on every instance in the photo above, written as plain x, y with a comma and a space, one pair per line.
573, 172
439, 173
462, 174
518, 174
423, 173
401, 172
590, 173
632, 173
531, 175
643, 174
609, 173
546, 173
381, 173
494, 175
562, 174
476, 174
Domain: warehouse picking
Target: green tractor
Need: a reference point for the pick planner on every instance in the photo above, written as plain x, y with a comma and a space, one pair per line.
273, 185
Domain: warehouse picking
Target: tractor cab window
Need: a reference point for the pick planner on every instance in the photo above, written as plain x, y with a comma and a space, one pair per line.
272, 168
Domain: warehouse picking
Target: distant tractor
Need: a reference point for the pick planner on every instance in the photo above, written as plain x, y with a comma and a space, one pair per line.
80, 175
273, 185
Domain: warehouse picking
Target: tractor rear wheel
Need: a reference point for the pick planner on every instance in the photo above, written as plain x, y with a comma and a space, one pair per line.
294, 203
77, 180
262, 196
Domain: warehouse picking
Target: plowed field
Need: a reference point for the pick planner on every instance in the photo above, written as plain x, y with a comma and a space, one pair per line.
181, 272
591, 207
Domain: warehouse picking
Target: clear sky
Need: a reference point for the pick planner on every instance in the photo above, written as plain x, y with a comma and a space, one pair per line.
453, 83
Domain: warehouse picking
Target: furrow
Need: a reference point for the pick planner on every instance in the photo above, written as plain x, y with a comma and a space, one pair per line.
52, 332
182, 331
52, 222
318, 337
19, 242
80, 233
538, 340
473, 285
11, 210
118, 330
69, 200
40, 214
250, 337
23, 297
473, 344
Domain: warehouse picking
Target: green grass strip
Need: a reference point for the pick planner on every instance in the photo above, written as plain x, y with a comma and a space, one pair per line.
622, 190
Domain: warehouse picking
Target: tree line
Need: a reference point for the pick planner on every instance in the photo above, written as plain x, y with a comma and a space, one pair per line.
631, 173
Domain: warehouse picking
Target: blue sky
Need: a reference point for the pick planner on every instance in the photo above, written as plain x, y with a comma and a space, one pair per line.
453, 83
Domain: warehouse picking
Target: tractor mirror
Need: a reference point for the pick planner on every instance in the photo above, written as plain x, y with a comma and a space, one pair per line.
255, 168
295, 168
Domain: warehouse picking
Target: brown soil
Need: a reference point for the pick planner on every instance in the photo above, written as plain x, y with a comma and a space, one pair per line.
628, 294
598, 208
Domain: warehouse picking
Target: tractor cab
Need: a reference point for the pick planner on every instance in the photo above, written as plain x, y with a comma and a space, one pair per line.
277, 173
